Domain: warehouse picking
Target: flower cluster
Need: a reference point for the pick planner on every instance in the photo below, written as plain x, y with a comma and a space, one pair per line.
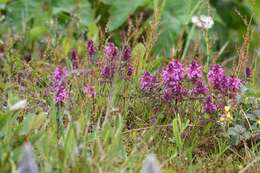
172, 79
174, 72
75, 59
126, 61
58, 85
109, 68
216, 76
91, 49
126, 53
147, 82
209, 106
176, 82
199, 88
112, 62
194, 71
108, 71
226, 85
110, 51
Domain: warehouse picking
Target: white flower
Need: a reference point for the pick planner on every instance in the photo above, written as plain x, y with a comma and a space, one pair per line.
18, 105
151, 165
202, 21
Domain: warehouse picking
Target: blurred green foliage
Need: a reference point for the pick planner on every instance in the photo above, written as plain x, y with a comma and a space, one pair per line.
38, 18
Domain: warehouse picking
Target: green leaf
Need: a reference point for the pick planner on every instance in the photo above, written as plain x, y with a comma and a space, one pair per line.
64, 6
176, 16
37, 121
120, 10
86, 14
138, 58
69, 145
19, 13
82, 9
37, 32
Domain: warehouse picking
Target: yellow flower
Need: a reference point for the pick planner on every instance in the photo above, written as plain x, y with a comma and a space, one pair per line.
229, 116
227, 108
222, 119
258, 122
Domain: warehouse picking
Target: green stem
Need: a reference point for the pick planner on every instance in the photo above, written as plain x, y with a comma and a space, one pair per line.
207, 48
187, 43
59, 122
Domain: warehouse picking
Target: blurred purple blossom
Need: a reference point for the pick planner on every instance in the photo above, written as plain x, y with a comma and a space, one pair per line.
173, 72
91, 48
200, 88
234, 83
172, 76
126, 54
130, 70
108, 71
89, 90
110, 50
209, 106
215, 76
75, 59
248, 72
61, 95
58, 86
194, 71
58, 76
147, 81
175, 90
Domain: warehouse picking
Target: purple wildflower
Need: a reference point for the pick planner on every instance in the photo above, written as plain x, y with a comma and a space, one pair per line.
91, 48
130, 70
147, 81
172, 76
248, 72
233, 83
58, 85
209, 106
126, 54
58, 76
194, 71
176, 90
200, 88
168, 94
230, 85
108, 71
215, 76
89, 90
110, 50
61, 95
173, 72
75, 59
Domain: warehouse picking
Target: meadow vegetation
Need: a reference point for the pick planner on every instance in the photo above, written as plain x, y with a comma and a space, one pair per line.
144, 86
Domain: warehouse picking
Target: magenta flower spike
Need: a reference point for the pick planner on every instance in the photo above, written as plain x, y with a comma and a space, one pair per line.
194, 71
216, 76
147, 82
126, 54
91, 48
209, 106
110, 51
75, 59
